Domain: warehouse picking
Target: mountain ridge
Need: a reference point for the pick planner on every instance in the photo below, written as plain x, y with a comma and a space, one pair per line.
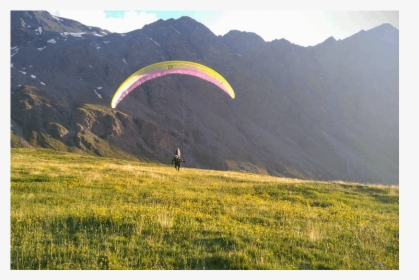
328, 111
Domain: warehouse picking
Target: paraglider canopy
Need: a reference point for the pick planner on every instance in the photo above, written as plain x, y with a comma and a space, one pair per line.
170, 67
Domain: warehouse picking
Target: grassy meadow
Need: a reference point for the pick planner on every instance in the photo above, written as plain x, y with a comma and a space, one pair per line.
72, 211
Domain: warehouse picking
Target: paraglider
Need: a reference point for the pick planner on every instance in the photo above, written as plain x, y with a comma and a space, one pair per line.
170, 67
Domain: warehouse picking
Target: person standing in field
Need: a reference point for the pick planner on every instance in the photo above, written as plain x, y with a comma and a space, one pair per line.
177, 159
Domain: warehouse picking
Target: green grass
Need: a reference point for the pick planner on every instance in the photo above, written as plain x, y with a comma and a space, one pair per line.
70, 211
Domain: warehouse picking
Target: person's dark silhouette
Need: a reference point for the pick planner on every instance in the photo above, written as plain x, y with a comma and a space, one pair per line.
177, 159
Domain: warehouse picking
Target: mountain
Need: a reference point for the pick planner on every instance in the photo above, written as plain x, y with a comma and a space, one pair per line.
326, 112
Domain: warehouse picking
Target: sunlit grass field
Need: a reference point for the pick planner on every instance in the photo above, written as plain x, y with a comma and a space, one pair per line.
71, 211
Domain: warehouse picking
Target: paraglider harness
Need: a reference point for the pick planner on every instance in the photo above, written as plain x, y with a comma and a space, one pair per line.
177, 160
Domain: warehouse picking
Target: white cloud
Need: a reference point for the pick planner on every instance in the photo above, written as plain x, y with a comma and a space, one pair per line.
305, 27
132, 20
299, 27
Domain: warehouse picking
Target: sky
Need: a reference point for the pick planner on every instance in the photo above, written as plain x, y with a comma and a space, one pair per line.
304, 28
301, 22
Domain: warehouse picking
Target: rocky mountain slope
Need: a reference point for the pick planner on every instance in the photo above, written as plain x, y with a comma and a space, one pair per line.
327, 112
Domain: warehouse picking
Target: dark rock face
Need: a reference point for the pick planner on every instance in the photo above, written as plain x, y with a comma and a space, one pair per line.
327, 112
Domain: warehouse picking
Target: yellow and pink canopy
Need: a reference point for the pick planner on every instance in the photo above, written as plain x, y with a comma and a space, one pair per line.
170, 67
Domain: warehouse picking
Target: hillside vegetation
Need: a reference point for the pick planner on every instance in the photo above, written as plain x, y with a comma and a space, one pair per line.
73, 211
